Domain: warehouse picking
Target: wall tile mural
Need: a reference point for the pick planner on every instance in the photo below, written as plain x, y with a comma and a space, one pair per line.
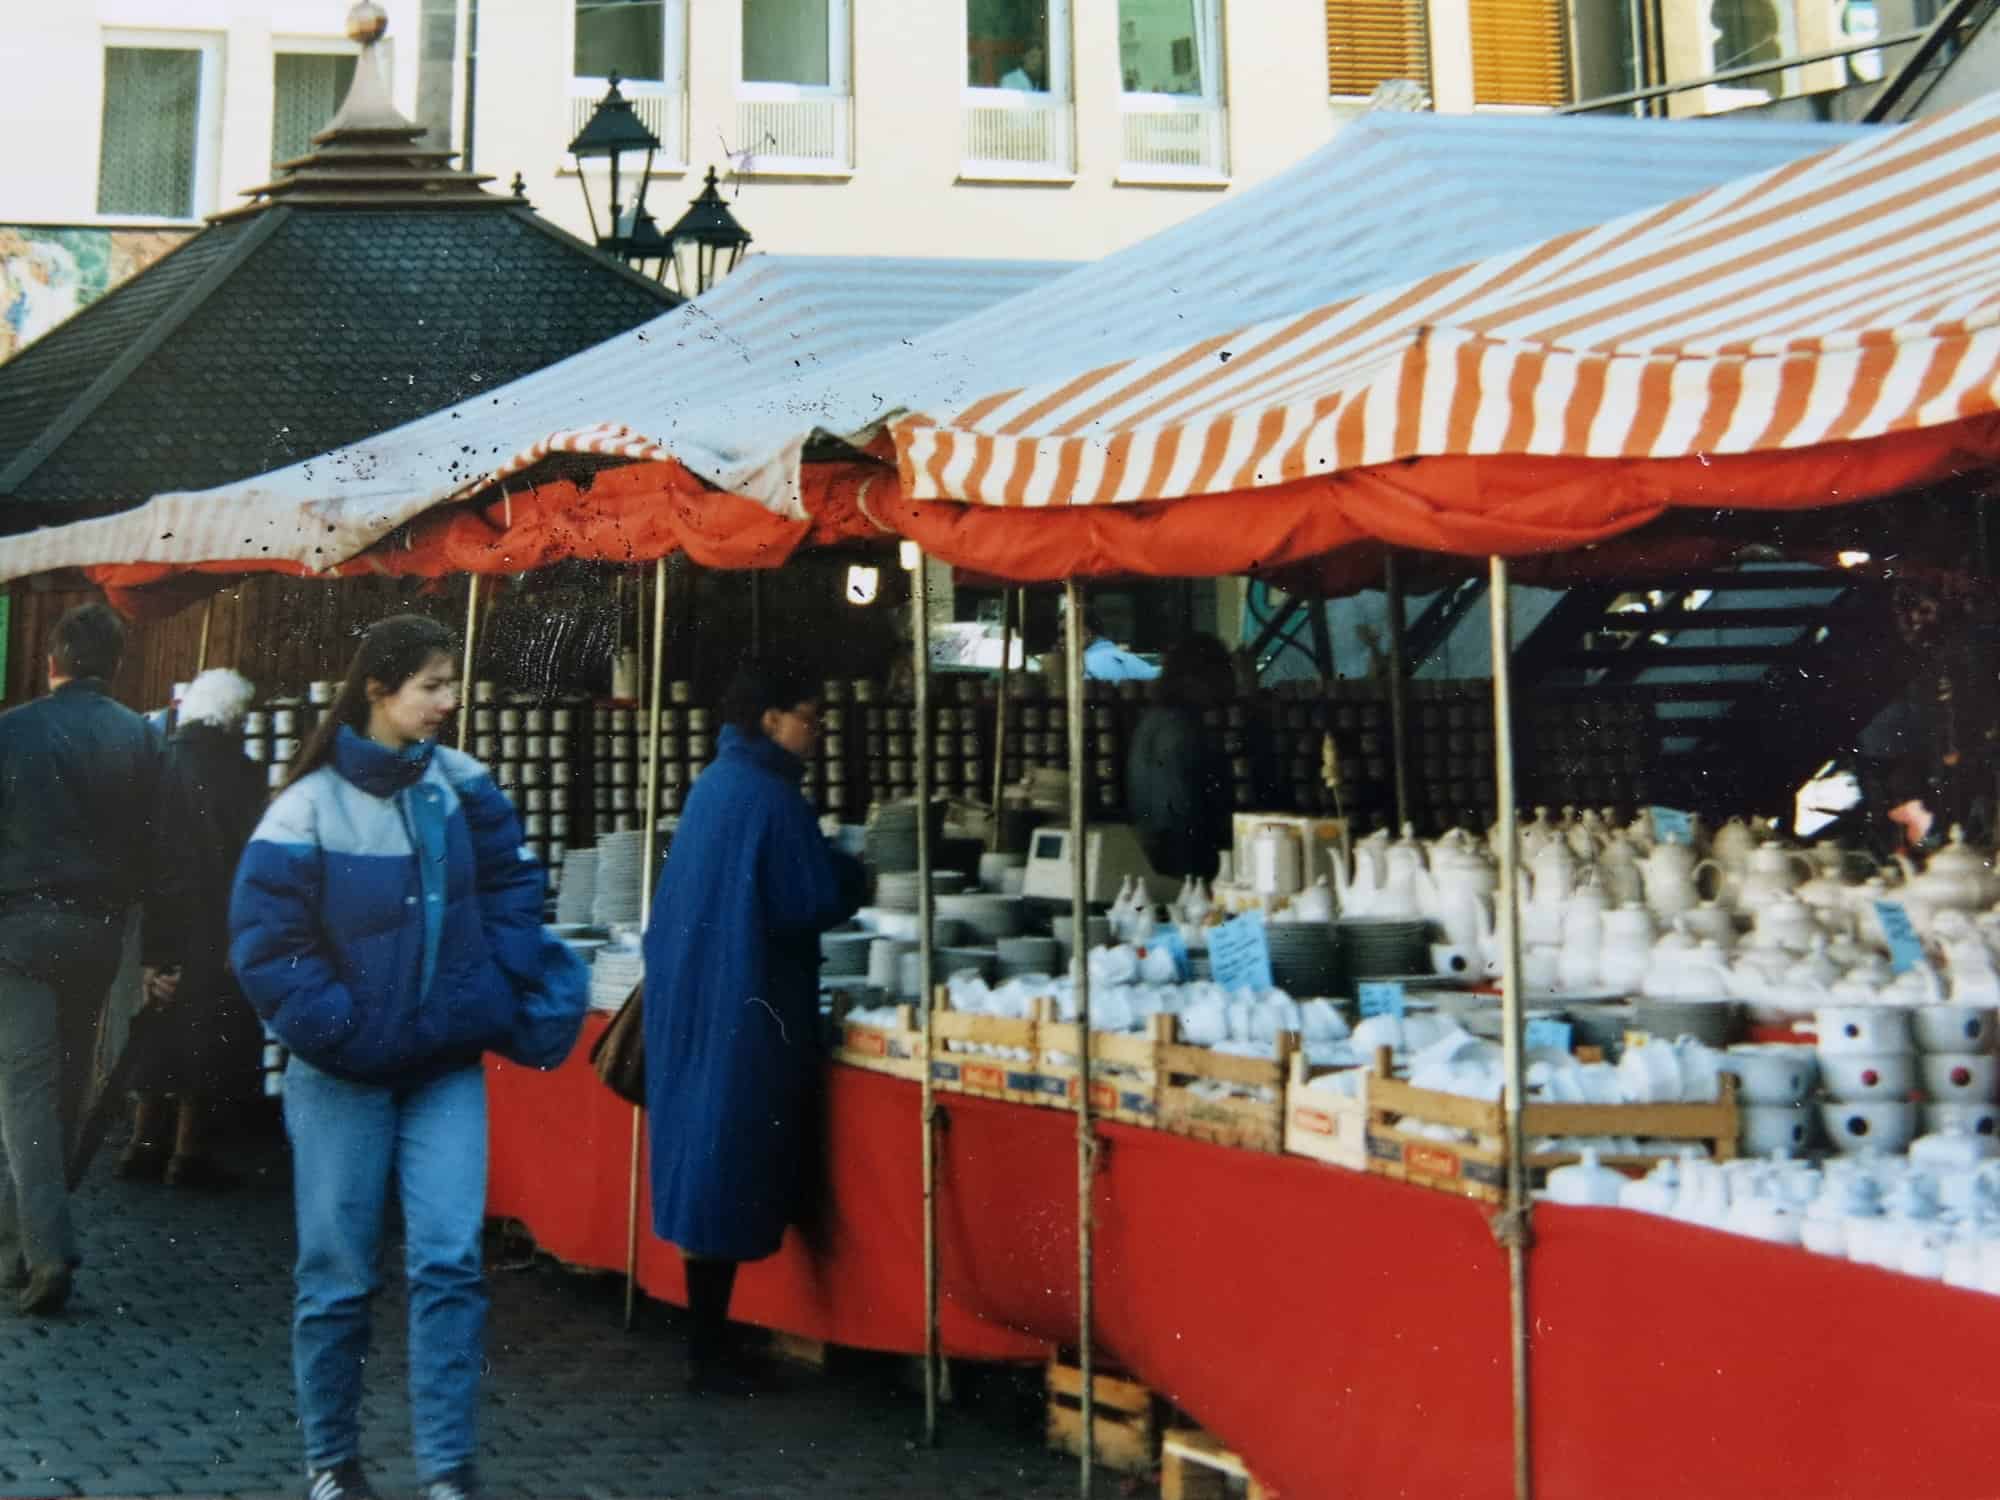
47, 273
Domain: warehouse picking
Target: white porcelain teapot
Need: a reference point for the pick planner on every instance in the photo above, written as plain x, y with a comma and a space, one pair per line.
1771, 873
1785, 922
1668, 875
1955, 878
1619, 871
1463, 881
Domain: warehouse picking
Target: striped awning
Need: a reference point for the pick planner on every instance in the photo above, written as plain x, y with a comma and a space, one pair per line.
1847, 296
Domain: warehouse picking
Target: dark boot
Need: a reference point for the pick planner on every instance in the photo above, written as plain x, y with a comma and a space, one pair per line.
711, 1372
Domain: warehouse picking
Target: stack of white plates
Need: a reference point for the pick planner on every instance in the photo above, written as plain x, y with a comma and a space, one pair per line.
897, 890
990, 915
620, 857
577, 894
844, 955
993, 869
1373, 946
1028, 955
1305, 957
612, 976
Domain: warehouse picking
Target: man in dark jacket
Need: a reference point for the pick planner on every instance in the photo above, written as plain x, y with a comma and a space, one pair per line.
78, 774
1177, 781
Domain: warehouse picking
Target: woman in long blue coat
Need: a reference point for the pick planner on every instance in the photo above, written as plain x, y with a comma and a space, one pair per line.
733, 1053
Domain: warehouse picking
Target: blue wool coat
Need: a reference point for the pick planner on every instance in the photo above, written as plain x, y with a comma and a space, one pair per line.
386, 921
733, 1052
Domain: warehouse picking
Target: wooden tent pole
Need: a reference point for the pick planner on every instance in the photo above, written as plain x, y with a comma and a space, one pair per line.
1086, 1137
649, 846
920, 678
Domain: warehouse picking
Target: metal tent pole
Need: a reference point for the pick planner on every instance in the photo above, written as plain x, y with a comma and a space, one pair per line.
1512, 1228
920, 678
471, 646
1086, 1139
648, 846
1399, 693
1000, 712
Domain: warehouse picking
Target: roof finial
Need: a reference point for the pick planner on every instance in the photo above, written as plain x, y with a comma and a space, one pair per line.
366, 23
368, 105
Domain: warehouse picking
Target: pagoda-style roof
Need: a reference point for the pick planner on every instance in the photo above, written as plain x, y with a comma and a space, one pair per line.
368, 283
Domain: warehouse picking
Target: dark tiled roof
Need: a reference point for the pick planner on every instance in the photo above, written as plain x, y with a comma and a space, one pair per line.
269, 339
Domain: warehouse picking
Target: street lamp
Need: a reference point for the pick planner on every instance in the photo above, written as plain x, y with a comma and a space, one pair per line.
707, 241
612, 132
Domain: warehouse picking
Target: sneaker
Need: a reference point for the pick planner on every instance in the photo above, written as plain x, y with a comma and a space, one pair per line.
458, 1484
344, 1481
46, 1293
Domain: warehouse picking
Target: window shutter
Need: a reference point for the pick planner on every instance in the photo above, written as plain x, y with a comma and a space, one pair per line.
1520, 52
1369, 42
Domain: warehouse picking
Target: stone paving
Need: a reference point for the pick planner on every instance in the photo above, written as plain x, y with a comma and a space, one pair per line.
170, 1374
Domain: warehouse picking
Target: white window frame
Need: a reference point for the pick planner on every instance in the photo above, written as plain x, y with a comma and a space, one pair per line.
1058, 101
291, 46
668, 97
1212, 104
1720, 98
837, 95
208, 117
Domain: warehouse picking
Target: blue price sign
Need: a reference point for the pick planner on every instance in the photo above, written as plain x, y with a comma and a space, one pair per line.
1671, 825
1239, 955
1541, 1031
1380, 997
1906, 949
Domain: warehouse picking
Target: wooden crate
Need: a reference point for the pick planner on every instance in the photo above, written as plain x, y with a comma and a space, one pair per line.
1194, 1466
1250, 1124
1326, 1126
987, 1077
1478, 1168
1131, 1094
896, 1050
1126, 1433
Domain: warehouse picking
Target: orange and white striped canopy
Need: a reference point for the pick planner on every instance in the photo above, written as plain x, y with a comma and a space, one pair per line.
1845, 296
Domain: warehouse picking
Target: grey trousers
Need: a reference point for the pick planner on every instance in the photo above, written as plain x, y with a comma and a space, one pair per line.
48, 1034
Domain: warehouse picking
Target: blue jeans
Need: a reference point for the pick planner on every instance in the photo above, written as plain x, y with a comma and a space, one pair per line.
347, 1141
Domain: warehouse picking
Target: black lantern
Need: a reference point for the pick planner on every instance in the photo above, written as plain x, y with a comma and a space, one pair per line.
707, 241
612, 132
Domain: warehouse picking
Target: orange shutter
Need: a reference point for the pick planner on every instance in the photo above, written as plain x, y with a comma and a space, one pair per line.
1520, 52
1371, 41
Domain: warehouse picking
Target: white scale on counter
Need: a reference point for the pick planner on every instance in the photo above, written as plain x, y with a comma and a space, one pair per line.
1111, 855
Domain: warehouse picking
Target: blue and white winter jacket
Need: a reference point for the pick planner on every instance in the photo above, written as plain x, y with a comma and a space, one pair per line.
386, 920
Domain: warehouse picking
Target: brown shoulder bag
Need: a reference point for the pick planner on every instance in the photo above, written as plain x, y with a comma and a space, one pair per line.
619, 1056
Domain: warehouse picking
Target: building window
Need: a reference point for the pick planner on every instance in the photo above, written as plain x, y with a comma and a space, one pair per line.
1520, 52
1170, 59
1017, 119
644, 42
794, 112
156, 150
1742, 34
1370, 42
306, 91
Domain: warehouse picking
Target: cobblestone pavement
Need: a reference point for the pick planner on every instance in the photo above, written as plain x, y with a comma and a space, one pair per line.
170, 1374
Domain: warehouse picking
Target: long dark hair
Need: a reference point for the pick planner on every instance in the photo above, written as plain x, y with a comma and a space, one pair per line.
391, 653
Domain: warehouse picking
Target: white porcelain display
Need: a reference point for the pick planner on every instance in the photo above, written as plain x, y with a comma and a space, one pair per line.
1953, 1028
1952, 1076
1651, 1074
1862, 1028
1771, 1073
1955, 878
1771, 872
1883, 1125
1626, 951
1668, 874
1774, 1127
1784, 921
1587, 1183
1981, 1117
1656, 1192
1868, 1075
1955, 1146
1701, 1071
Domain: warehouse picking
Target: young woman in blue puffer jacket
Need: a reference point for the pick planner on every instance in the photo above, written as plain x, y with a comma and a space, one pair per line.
386, 927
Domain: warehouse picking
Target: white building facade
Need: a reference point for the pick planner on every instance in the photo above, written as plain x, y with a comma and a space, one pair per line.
1052, 129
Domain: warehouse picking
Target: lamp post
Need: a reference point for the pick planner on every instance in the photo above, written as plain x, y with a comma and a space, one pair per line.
703, 246
611, 135
707, 241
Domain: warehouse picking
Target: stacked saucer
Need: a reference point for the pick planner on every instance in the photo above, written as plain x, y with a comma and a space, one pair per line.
897, 890
578, 892
1373, 947
844, 955
619, 859
1305, 957
1028, 955
612, 975
892, 835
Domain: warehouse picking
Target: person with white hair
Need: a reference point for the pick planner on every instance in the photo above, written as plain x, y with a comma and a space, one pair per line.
196, 1044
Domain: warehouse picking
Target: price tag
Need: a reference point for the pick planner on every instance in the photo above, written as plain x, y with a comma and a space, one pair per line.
1239, 955
1170, 940
1671, 825
1542, 1031
1380, 997
1906, 949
